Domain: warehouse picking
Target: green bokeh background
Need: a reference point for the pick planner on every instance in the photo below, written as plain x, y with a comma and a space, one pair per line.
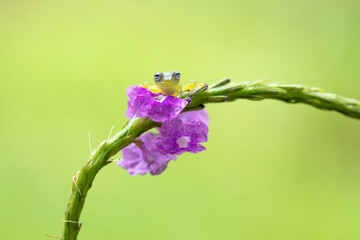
272, 170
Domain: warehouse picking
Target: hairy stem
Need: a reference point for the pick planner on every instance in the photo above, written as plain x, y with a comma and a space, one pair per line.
218, 92
259, 90
84, 178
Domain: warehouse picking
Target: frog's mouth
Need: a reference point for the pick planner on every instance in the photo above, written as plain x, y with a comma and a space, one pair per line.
168, 83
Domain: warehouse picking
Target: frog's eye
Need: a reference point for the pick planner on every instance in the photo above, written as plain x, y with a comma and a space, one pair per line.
176, 75
157, 76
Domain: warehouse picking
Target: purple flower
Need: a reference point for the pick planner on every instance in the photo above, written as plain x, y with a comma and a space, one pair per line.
179, 133
158, 107
178, 137
200, 115
144, 157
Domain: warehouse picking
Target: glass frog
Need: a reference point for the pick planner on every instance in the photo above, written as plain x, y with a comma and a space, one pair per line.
168, 83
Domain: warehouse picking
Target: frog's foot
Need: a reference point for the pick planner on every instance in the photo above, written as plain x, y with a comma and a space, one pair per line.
190, 86
151, 88
193, 85
145, 85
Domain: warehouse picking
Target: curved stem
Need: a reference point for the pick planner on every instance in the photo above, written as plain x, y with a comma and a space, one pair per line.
218, 92
259, 90
84, 178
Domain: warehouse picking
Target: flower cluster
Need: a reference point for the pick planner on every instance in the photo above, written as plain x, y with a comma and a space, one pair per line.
158, 107
179, 132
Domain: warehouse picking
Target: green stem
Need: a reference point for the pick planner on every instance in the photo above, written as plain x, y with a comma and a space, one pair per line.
218, 92
83, 180
259, 90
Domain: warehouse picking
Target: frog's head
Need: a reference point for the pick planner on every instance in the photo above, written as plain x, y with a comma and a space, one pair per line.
167, 81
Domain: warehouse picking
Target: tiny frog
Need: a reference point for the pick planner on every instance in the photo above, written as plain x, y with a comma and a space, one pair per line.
167, 83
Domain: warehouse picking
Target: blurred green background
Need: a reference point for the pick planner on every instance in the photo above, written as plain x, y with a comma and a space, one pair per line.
271, 171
